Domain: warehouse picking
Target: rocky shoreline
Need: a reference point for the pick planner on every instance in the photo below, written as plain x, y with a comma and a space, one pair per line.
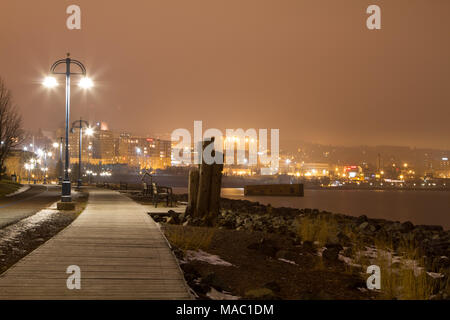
341, 237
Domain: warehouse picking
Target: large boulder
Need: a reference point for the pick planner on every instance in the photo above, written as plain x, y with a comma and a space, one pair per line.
331, 254
309, 246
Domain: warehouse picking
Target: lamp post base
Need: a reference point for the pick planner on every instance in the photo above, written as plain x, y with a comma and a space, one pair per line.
66, 191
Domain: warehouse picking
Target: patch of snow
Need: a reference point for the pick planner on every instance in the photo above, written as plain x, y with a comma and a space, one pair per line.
203, 256
20, 190
388, 256
348, 261
287, 261
320, 251
371, 252
213, 294
12, 232
435, 275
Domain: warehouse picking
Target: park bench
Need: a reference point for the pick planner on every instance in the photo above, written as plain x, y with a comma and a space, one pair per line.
161, 193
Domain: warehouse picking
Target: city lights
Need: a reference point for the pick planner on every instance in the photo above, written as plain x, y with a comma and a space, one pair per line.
40, 152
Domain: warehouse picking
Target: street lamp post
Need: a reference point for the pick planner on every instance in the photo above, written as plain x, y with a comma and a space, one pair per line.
60, 168
89, 172
51, 82
45, 165
88, 131
61, 172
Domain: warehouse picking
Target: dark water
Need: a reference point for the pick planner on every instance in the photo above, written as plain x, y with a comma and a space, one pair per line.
419, 207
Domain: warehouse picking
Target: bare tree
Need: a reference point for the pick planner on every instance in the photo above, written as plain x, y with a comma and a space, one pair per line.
11, 132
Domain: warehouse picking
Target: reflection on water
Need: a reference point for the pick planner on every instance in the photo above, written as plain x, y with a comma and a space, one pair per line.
419, 207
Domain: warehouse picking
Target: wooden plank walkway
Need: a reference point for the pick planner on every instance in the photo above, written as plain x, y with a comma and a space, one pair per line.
119, 249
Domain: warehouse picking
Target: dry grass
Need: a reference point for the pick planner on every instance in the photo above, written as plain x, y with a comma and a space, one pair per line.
402, 267
403, 282
190, 238
317, 229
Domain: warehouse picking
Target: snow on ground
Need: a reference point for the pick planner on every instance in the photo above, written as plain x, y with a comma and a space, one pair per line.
435, 275
213, 294
375, 255
203, 256
10, 233
287, 261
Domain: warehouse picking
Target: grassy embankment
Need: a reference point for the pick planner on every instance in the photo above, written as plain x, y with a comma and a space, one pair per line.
7, 187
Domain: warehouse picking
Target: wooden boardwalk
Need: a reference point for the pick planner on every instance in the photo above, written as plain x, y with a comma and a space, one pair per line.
119, 249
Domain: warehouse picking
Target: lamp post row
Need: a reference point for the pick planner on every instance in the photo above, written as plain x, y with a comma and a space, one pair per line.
51, 82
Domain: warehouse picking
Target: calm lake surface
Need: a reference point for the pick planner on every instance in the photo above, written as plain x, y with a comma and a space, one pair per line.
419, 207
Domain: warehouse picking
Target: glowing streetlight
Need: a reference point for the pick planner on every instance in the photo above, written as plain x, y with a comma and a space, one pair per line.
89, 131
138, 153
50, 82
55, 145
86, 83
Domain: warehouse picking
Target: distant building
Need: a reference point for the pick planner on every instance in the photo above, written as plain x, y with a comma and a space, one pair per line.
442, 168
86, 147
145, 153
315, 169
103, 147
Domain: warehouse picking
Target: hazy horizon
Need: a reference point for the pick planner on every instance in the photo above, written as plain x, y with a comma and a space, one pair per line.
312, 70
